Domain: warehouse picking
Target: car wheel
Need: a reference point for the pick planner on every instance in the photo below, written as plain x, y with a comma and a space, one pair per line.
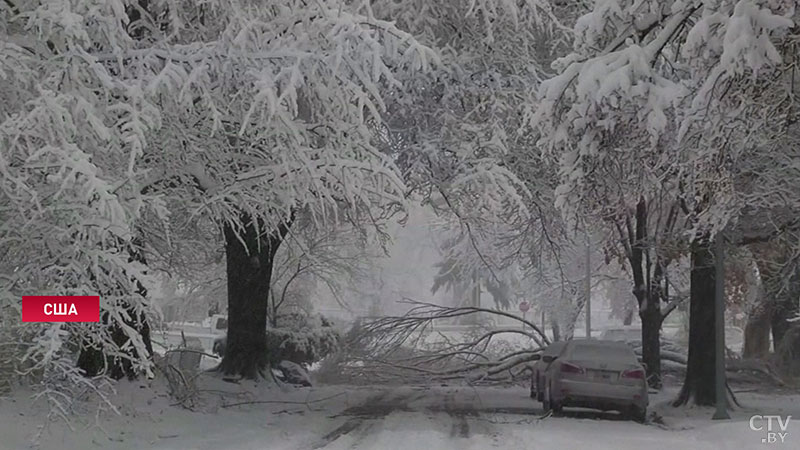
556, 407
551, 405
638, 414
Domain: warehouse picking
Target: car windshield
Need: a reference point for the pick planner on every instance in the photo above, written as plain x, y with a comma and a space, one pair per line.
606, 352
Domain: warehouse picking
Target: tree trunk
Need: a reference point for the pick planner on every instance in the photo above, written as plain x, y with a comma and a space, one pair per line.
628, 319
646, 289
756, 332
699, 384
787, 352
274, 316
272, 308
249, 258
651, 338
785, 308
556, 330
780, 276
651, 342
784, 333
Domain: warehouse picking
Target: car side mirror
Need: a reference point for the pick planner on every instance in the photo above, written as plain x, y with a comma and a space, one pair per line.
548, 358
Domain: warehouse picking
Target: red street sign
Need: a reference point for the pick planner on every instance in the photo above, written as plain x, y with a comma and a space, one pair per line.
60, 308
524, 306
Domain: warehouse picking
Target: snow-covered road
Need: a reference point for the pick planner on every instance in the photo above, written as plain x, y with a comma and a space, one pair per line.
409, 417
466, 418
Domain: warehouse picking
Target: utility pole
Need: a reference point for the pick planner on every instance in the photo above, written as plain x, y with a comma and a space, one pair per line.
588, 306
719, 324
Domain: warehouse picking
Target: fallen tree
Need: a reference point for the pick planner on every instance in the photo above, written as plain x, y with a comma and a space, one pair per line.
409, 348
744, 370
412, 348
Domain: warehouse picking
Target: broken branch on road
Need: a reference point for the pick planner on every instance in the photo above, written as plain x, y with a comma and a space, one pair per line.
410, 347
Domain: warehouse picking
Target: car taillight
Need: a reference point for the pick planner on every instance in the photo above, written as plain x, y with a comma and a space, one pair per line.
570, 368
635, 373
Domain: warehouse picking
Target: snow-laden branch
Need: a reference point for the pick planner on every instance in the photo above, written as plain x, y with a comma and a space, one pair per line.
398, 346
631, 110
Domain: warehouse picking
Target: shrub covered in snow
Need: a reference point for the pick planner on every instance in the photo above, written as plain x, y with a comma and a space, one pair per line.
298, 338
304, 345
301, 339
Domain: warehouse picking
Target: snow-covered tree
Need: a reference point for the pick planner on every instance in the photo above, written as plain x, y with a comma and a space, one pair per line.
661, 95
242, 112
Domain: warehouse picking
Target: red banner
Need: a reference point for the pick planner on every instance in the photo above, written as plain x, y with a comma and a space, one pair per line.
60, 308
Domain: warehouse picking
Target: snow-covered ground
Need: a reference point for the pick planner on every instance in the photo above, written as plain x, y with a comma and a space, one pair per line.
409, 417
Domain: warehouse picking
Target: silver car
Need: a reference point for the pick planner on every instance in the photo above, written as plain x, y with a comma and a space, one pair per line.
597, 374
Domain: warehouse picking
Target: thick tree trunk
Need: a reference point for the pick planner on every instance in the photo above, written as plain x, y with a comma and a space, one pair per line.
249, 259
651, 342
699, 384
650, 315
646, 289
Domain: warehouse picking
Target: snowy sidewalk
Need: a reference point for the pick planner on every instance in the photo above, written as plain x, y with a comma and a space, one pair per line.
418, 418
